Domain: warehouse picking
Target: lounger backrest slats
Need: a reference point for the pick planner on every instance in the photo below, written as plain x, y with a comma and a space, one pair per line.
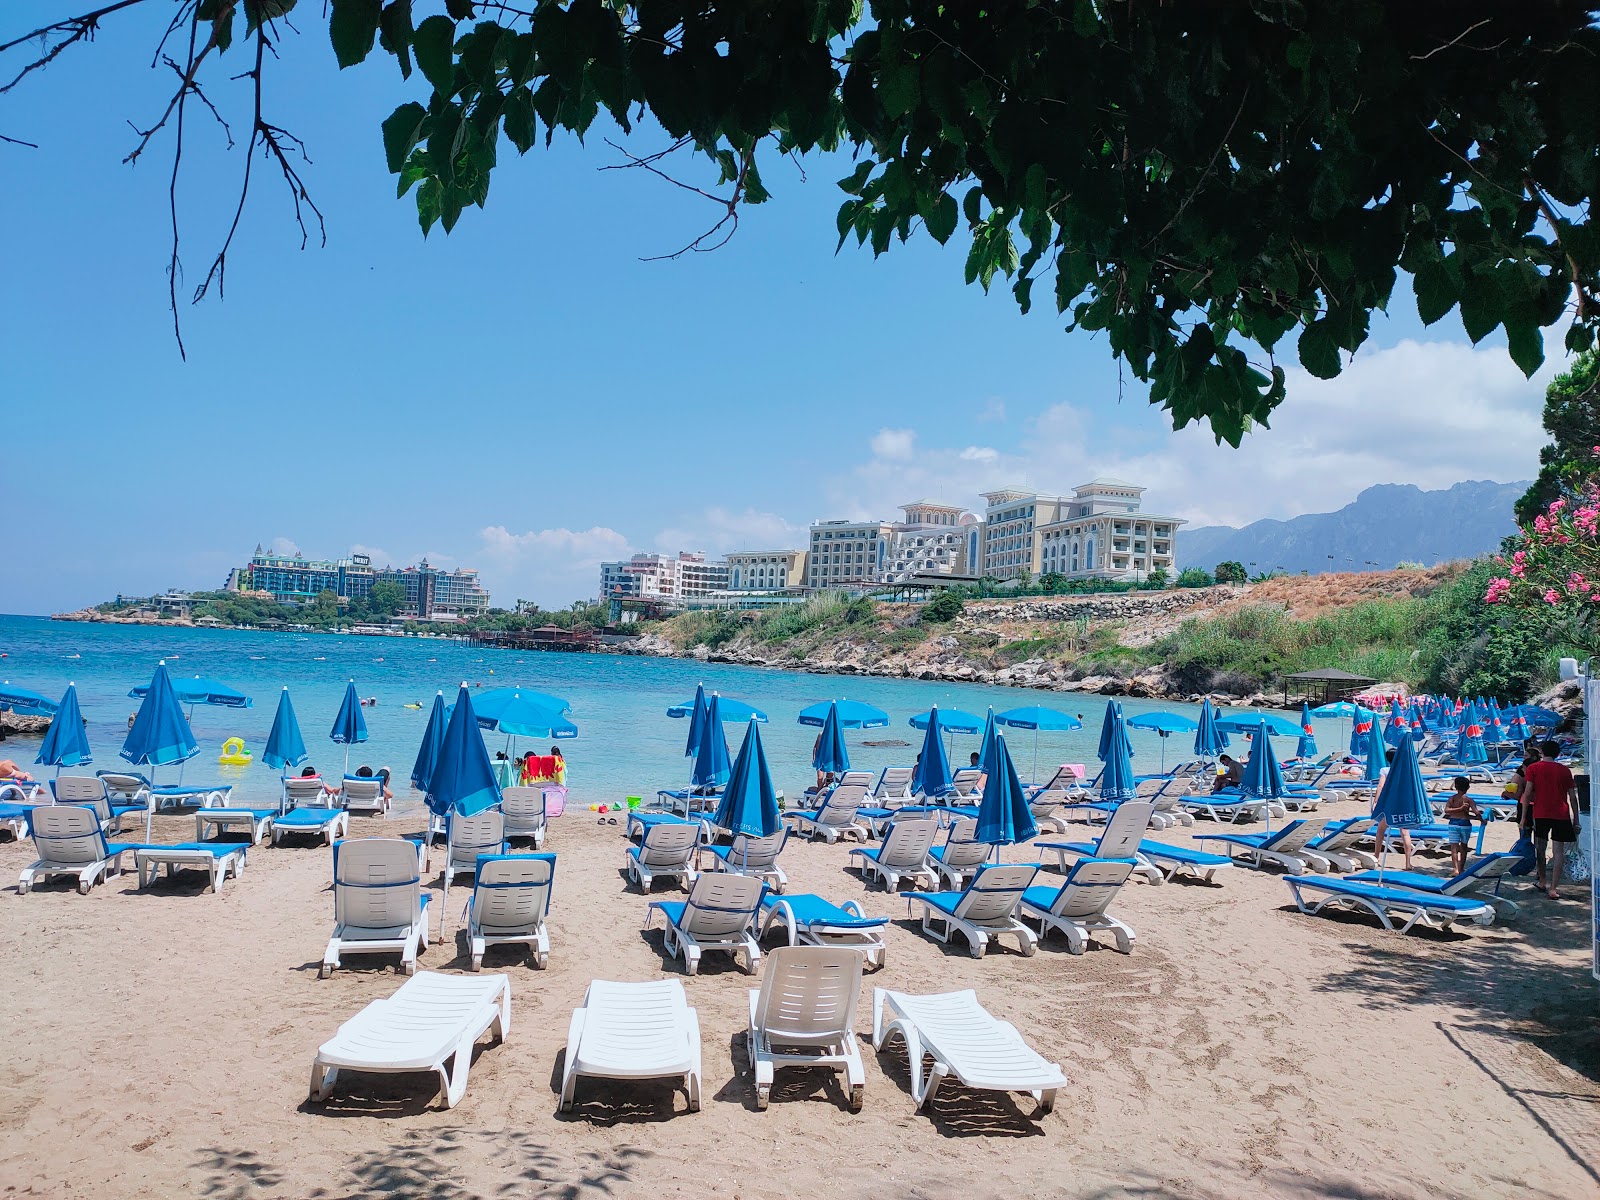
995, 891
523, 808
121, 788
513, 890
79, 789
1490, 866
962, 849
306, 791
965, 779
375, 884
721, 904
481, 833
67, 834
839, 806
668, 844
808, 995
1295, 836
362, 789
894, 784
856, 779
1124, 830
906, 846
1090, 888
757, 853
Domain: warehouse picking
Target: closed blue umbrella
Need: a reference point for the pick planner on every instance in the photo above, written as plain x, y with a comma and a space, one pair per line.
951, 720
1263, 779
932, 776
350, 727
852, 714
22, 700
432, 739
749, 803
1373, 749
1209, 741
1116, 779
1395, 725
1494, 730
1469, 742
732, 710
1307, 747
1164, 725
989, 743
1004, 818
831, 753
1361, 726
697, 717
285, 747
160, 733
1402, 802
463, 777
1113, 728
711, 756
197, 689
66, 743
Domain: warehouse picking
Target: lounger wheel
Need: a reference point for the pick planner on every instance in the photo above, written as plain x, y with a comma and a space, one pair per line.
325, 970
477, 962
83, 887
763, 1097
410, 966
858, 1096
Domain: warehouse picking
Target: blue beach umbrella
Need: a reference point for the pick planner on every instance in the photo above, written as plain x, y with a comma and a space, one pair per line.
160, 733
711, 767
932, 776
1338, 708
1374, 750
852, 714
1402, 802
197, 689
1263, 779
22, 700
516, 713
1396, 725
749, 803
285, 747
732, 710
1116, 780
1307, 747
66, 743
1037, 717
988, 744
831, 755
432, 739
1164, 725
1251, 722
951, 720
1469, 742
463, 777
1209, 741
697, 716
1361, 726
1004, 818
1494, 730
349, 726
1533, 714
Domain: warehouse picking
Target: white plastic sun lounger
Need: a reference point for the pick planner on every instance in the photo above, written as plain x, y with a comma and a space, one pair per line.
92, 791
893, 784
1289, 847
182, 795
1338, 844
961, 855
307, 791
836, 817
1079, 906
364, 794
1416, 908
15, 818
255, 823
806, 1005
756, 856
22, 791
720, 914
379, 906
964, 782
666, 850
810, 920
1173, 861
903, 855
468, 837
510, 899
70, 841
329, 823
524, 812
966, 1042
633, 1031
985, 911
1123, 832
216, 859
125, 793
433, 1020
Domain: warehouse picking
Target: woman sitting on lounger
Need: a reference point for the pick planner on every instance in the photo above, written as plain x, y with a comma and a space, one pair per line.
11, 773
366, 772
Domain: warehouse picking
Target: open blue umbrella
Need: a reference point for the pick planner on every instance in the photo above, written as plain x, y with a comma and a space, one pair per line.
197, 689
749, 803
1116, 779
22, 700
1037, 717
1263, 778
732, 710
1251, 722
1469, 742
160, 734
1004, 818
932, 775
1339, 708
1307, 747
1402, 802
951, 720
463, 777
711, 767
517, 713
349, 726
1209, 741
66, 743
1112, 728
1164, 725
432, 739
285, 747
852, 714
831, 755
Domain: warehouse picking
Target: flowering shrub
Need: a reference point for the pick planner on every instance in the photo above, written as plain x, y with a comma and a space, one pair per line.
1555, 560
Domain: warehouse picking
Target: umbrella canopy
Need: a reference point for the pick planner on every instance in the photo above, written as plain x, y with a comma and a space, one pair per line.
1395, 725
1004, 818
1116, 780
522, 714
1339, 708
1373, 748
197, 689
1360, 726
932, 776
711, 756
432, 739
732, 710
285, 747
749, 803
831, 753
1034, 716
463, 777
951, 720
1112, 729
1494, 730
1469, 742
349, 727
1209, 741
1401, 800
852, 714
20, 699
697, 716
1251, 722
988, 746
160, 733
1307, 747
66, 743
1532, 714
1164, 723
1262, 777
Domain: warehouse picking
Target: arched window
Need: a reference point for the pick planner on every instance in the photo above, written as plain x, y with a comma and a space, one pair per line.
1088, 559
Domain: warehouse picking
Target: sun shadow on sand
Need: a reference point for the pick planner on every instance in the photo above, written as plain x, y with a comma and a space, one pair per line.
436, 1165
606, 1102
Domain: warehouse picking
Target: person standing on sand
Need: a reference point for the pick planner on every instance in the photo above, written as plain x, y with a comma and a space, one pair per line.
1552, 814
1459, 812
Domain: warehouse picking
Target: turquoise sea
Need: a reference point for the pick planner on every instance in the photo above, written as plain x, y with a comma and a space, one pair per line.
626, 743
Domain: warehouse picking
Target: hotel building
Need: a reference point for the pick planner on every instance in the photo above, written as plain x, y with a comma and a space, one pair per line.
766, 570
1098, 532
295, 579
931, 539
662, 577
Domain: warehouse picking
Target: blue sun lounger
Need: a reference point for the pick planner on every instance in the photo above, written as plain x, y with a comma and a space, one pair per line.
720, 914
329, 823
640, 821
984, 911
217, 859
1482, 873
810, 920
1289, 847
256, 823
1417, 908
1172, 861
206, 795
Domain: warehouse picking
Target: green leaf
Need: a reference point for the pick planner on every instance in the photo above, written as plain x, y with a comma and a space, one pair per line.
353, 28
1526, 344
521, 123
401, 132
1436, 292
394, 33
1579, 339
428, 196
257, 12
435, 42
899, 91
1319, 352
942, 217
459, 10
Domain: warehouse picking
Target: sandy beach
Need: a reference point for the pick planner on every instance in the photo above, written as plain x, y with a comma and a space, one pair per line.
159, 1044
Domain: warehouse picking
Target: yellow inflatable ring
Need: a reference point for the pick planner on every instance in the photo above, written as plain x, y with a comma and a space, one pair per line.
234, 754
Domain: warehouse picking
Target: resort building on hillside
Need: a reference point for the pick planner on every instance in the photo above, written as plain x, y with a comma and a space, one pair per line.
662, 577
430, 593
1098, 532
766, 570
931, 539
846, 553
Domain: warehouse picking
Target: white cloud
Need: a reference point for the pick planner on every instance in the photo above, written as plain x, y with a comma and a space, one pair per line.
719, 530
283, 547
894, 445
980, 454
379, 557
550, 566
994, 409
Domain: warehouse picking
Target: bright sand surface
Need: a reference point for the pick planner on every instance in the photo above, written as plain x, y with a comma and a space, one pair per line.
159, 1044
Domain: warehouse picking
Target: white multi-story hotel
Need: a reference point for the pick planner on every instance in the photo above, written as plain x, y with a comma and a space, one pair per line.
662, 577
846, 553
1098, 532
766, 570
932, 539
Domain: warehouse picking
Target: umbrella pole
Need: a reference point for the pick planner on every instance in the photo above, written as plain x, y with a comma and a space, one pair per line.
1035, 771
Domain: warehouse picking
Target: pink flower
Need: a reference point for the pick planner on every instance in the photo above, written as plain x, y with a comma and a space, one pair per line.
1497, 590
1556, 506
1520, 557
1552, 596
1541, 524
1518, 570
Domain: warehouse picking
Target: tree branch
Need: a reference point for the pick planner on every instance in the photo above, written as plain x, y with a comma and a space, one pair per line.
77, 29
1549, 212
18, 142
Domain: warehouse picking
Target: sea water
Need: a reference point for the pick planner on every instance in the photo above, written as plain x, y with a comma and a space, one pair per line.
626, 744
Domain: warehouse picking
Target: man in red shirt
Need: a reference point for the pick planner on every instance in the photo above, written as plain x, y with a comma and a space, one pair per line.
1553, 813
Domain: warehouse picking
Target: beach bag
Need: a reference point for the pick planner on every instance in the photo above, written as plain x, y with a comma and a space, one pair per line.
1575, 866
1523, 847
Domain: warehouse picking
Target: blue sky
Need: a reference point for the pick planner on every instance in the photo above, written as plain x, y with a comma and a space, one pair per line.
526, 396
